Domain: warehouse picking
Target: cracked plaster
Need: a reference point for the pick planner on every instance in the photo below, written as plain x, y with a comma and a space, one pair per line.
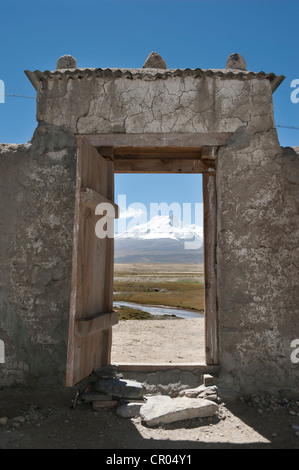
257, 212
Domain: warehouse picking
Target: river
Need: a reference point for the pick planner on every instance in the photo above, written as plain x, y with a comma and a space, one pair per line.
161, 310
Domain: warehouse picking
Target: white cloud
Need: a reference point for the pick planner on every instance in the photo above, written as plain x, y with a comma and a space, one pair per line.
132, 212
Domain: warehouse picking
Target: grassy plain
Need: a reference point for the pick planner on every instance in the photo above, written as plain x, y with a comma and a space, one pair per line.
174, 285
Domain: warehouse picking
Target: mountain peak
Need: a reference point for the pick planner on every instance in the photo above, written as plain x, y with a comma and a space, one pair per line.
162, 226
163, 239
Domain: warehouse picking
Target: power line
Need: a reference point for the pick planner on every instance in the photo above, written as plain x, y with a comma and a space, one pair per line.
21, 96
289, 127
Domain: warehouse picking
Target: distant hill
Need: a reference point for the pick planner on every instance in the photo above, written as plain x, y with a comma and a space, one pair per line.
164, 239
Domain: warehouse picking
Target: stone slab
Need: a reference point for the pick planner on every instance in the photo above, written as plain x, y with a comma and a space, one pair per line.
161, 409
120, 388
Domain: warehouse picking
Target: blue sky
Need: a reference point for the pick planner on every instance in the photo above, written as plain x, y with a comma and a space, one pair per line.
122, 33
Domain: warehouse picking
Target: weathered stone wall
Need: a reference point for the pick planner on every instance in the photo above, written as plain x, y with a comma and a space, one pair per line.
142, 103
257, 216
257, 262
36, 206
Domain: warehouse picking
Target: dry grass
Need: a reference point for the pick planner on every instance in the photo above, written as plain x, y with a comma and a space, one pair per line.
127, 313
175, 287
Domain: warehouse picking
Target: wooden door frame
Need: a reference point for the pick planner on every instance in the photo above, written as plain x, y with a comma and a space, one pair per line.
176, 153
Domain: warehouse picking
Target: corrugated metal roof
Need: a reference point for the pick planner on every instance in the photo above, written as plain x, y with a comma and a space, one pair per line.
152, 74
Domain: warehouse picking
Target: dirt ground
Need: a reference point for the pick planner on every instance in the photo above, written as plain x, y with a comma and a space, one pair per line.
161, 340
43, 418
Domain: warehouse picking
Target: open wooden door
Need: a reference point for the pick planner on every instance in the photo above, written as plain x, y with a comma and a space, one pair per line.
91, 307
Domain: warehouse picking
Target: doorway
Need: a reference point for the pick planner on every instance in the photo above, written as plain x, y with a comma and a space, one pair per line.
91, 312
158, 269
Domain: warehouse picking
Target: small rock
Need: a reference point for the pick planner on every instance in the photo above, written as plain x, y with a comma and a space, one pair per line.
154, 61
208, 380
274, 434
236, 61
33, 413
210, 393
3, 421
295, 427
297, 433
66, 62
20, 419
136, 420
129, 410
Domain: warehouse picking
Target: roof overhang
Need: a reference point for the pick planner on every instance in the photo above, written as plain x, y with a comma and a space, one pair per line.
152, 74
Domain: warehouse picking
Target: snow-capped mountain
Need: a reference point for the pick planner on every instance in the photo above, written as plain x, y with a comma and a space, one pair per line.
162, 239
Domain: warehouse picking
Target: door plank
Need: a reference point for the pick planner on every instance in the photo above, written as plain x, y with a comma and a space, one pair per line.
91, 199
90, 326
89, 294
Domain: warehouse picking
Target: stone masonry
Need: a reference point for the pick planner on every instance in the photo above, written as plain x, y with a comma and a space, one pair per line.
257, 212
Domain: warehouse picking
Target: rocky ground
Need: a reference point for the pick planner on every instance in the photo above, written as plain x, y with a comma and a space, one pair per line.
45, 419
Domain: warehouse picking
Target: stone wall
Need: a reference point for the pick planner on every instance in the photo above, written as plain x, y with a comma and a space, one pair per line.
257, 215
258, 263
142, 101
36, 206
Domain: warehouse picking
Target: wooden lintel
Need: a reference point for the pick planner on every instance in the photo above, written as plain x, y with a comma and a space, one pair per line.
196, 139
158, 152
107, 152
161, 165
90, 326
91, 199
209, 153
